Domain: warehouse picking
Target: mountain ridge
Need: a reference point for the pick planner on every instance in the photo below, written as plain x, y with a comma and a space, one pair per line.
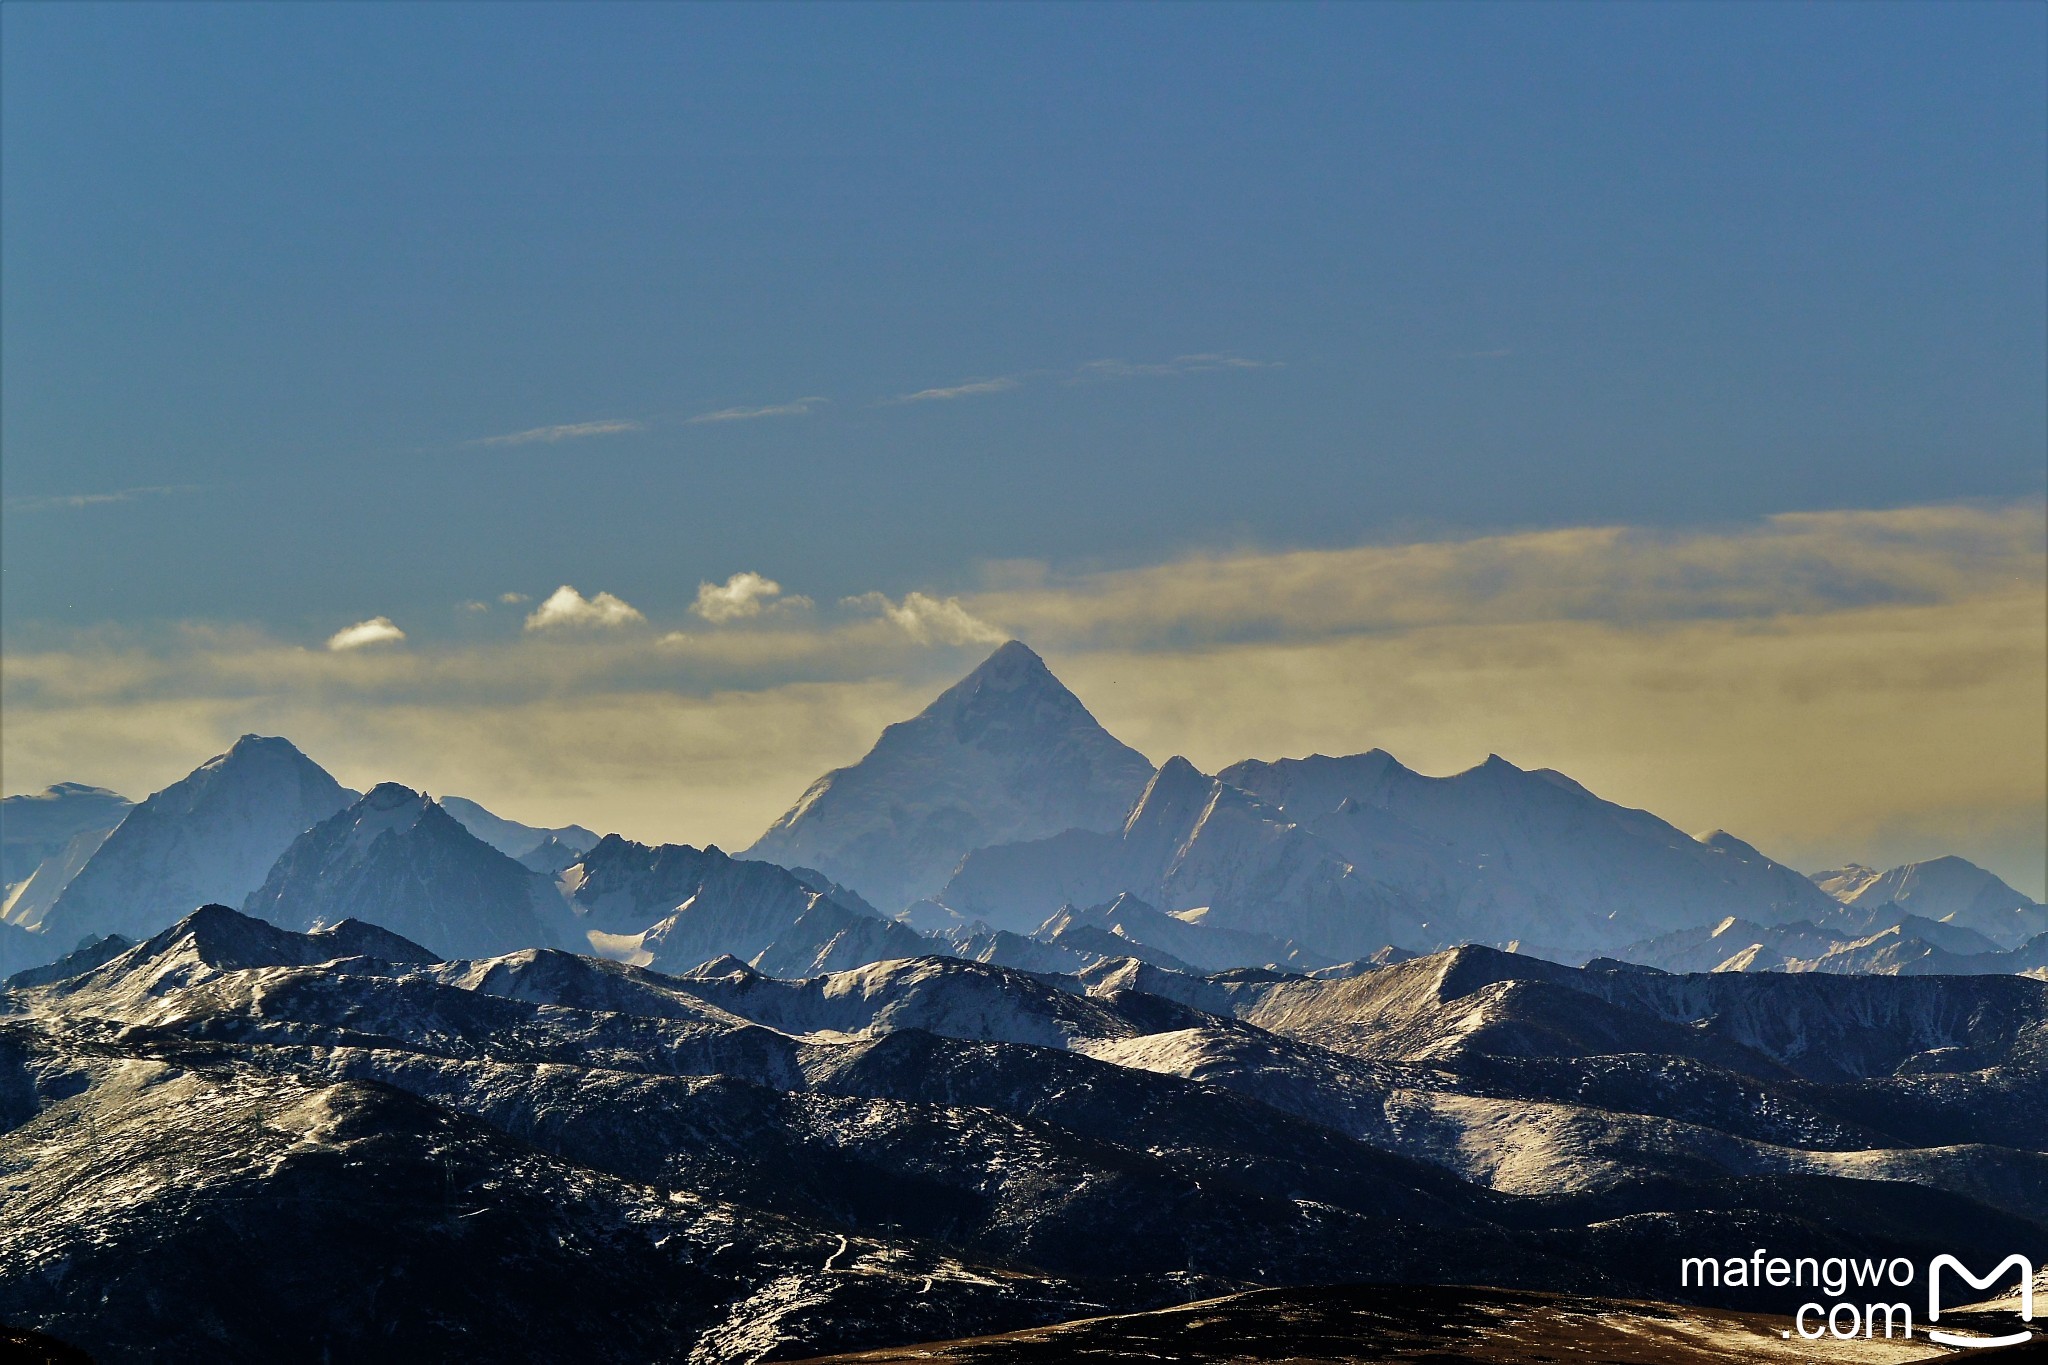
1947, 889
398, 855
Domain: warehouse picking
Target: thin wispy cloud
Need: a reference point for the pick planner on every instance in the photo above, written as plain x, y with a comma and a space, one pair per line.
1206, 362
1092, 370
73, 500
972, 388
378, 630
929, 620
796, 407
478, 606
568, 431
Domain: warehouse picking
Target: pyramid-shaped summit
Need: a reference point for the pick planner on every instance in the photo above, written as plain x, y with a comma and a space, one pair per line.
1007, 753
208, 837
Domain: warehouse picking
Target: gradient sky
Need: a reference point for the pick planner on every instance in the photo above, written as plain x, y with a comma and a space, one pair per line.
320, 314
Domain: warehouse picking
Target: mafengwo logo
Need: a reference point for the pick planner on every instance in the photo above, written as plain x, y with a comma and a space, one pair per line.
1848, 1318
2026, 1304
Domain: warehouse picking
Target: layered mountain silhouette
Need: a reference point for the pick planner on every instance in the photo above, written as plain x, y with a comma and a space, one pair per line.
209, 837
512, 838
1498, 854
1048, 846
1891, 944
215, 940
397, 857
1129, 927
1005, 754
671, 906
1197, 845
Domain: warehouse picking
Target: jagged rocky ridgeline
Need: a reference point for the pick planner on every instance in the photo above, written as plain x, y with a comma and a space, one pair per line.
235, 1138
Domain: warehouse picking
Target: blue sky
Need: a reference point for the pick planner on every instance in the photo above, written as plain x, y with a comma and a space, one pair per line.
1501, 266
1480, 363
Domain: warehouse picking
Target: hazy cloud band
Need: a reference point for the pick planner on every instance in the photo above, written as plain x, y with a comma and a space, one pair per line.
1827, 685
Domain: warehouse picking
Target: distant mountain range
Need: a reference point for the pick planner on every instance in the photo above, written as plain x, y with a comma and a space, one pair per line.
1894, 944
1945, 890
1192, 843
1004, 825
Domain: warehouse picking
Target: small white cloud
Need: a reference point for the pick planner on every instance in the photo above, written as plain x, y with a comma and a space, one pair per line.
929, 620
378, 630
567, 607
513, 599
972, 388
1180, 364
798, 407
472, 606
742, 595
568, 431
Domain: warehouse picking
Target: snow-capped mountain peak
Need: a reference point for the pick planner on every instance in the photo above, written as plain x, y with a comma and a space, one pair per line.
397, 857
46, 838
387, 807
1006, 753
209, 837
1175, 796
1949, 889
